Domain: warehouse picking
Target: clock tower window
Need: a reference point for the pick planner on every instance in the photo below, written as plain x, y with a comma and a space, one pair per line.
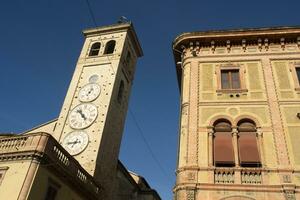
95, 49
110, 47
120, 92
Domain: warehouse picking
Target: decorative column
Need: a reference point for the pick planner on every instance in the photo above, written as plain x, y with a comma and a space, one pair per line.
237, 173
184, 120
193, 116
235, 145
210, 145
259, 135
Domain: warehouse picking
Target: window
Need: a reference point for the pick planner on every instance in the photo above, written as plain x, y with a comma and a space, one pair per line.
2, 173
51, 193
298, 74
52, 190
95, 49
247, 145
223, 148
110, 47
238, 149
127, 66
230, 79
120, 92
295, 72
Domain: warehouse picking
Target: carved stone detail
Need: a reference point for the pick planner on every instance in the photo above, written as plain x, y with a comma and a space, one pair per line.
191, 176
282, 43
266, 41
287, 178
224, 176
290, 195
190, 194
212, 45
251, 177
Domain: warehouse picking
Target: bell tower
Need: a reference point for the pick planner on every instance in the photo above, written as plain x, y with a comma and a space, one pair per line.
92, 117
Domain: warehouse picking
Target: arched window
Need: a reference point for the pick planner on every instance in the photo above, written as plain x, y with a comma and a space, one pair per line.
247, 144
223, 148
121, 91
110, 47
127, 64
95, 49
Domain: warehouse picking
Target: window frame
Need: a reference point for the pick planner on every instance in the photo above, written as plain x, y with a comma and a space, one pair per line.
91, 49
222, 130
121, 91
3, 171
52, 184
110, 44
229, 74
293, 70
230, 66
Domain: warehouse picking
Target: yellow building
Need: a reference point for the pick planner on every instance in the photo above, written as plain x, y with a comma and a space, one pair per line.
76, 155
240, 114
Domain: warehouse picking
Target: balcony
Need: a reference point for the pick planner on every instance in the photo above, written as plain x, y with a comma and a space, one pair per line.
250, 177
224, 176
45, 149
238, 176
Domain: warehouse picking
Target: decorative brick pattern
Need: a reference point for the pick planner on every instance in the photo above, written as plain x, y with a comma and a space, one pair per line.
278, 130
193, 116
190, 195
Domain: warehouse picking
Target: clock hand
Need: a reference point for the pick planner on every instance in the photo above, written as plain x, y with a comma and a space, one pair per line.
81, 114
76, 141
90, 91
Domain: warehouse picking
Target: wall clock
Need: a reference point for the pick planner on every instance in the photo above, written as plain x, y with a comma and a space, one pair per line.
75, 142
83, 115
89, 92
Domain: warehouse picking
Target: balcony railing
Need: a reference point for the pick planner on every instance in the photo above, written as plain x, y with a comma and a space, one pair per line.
45, 147
237, 175
250, 177
224, 176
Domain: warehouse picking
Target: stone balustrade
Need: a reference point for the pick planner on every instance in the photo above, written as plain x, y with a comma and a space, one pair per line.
251, 177
43, 147
224, 176
237, 176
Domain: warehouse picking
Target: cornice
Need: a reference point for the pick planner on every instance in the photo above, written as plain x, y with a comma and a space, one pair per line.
234, 187
223, 44
235, 33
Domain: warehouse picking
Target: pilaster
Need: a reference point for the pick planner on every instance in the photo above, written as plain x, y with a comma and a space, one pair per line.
193, 116
275, 115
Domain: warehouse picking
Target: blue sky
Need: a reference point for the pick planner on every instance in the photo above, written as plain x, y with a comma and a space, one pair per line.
40, 42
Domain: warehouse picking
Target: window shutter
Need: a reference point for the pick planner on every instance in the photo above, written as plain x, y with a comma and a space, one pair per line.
248, 151
223, 149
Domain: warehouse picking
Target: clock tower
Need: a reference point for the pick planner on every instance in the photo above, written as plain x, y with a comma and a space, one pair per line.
92, 117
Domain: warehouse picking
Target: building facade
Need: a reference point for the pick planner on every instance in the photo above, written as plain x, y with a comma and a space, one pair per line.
240, 114
76, 155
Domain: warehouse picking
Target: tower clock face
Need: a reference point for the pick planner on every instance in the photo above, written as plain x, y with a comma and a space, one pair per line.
83, 115
75, 142
89, 92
